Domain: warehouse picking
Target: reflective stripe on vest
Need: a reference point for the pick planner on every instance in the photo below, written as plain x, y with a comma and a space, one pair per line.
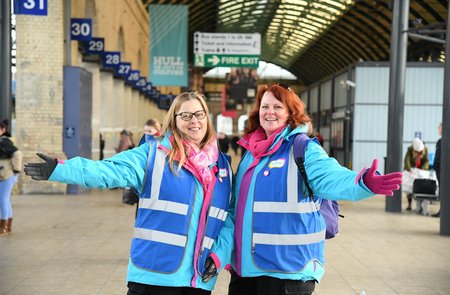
160, 236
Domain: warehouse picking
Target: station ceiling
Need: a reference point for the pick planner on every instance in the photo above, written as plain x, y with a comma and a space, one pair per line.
314, 39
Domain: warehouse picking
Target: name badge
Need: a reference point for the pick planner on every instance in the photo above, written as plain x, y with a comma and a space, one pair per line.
277, 163
223, 172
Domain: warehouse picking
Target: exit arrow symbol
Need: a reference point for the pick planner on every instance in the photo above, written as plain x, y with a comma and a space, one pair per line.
214, 60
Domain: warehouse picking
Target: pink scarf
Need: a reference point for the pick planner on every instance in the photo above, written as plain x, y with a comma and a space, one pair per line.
258, 143
200, 160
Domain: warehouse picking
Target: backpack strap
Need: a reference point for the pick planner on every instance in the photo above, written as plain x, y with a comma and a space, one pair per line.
300, 143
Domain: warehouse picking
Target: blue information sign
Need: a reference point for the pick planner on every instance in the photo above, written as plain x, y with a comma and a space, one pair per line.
148, 88
133, 77
34, 7
81, 29
94, 46
141, 83
111, 59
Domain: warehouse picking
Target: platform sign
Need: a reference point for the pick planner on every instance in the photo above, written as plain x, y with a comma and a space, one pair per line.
94, 46
226, 49
149, 88
111, 59
133, 77
123, 70
33, 7
141, 84
81, 29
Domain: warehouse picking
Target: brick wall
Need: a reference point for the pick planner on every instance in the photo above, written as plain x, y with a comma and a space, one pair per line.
39, 90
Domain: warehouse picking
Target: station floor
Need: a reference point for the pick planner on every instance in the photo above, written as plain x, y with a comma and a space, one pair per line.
78, 244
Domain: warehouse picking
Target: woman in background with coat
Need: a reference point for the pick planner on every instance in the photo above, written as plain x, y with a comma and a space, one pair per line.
10, 166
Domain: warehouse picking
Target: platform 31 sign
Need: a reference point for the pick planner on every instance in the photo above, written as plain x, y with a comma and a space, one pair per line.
33, 7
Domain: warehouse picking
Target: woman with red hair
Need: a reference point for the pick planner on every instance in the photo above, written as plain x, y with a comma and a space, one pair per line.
279, 231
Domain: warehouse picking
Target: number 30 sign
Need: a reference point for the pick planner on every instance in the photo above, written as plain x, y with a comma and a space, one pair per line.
80, 29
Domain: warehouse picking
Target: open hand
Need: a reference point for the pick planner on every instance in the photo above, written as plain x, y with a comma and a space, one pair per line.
41, 171
382, 184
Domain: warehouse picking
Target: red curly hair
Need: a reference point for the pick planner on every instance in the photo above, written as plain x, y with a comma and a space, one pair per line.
295, 107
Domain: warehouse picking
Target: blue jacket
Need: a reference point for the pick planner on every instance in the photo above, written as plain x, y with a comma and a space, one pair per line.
169, 247
278, 231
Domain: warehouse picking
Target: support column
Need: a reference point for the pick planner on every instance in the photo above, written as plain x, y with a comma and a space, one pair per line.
5, 60
444, 186
399, 43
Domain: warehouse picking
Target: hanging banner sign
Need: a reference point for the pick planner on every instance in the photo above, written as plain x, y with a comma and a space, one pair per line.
33, 7
226, 50
227, 43
233, 61
169, 45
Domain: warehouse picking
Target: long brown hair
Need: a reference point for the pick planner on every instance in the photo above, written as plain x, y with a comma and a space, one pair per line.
295, 106
169, 124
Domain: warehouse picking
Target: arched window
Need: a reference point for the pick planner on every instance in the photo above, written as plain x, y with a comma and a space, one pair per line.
121, 42
91, 13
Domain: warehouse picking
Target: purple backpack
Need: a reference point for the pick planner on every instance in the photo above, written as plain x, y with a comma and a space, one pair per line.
328, 208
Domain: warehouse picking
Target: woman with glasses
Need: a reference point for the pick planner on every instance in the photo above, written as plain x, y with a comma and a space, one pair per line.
183, 235
279, 231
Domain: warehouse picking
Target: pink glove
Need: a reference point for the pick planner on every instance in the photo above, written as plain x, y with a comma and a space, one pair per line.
381, 184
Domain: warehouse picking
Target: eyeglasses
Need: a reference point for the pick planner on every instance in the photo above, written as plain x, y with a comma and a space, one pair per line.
187, 116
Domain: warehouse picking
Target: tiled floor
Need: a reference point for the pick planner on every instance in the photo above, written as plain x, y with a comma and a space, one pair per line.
79, 245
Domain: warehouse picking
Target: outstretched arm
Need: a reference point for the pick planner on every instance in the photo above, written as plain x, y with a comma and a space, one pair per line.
126, 169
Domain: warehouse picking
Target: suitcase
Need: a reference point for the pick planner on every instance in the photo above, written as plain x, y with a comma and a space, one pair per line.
424, 186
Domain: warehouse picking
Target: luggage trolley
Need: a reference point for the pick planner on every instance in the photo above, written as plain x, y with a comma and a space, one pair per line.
424, 191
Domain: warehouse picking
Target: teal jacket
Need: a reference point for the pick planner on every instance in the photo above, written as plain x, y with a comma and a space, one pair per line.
260, 188
128, 169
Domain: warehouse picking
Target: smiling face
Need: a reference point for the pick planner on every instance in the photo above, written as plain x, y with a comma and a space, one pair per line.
194, 129
273, 114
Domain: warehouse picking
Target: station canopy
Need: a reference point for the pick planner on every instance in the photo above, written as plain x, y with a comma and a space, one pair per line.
314, 39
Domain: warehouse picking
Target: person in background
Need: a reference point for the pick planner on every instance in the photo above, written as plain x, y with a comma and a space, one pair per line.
279, 231
183, 233
10, 167
437, 162
125, 142
416, 157
152, 127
